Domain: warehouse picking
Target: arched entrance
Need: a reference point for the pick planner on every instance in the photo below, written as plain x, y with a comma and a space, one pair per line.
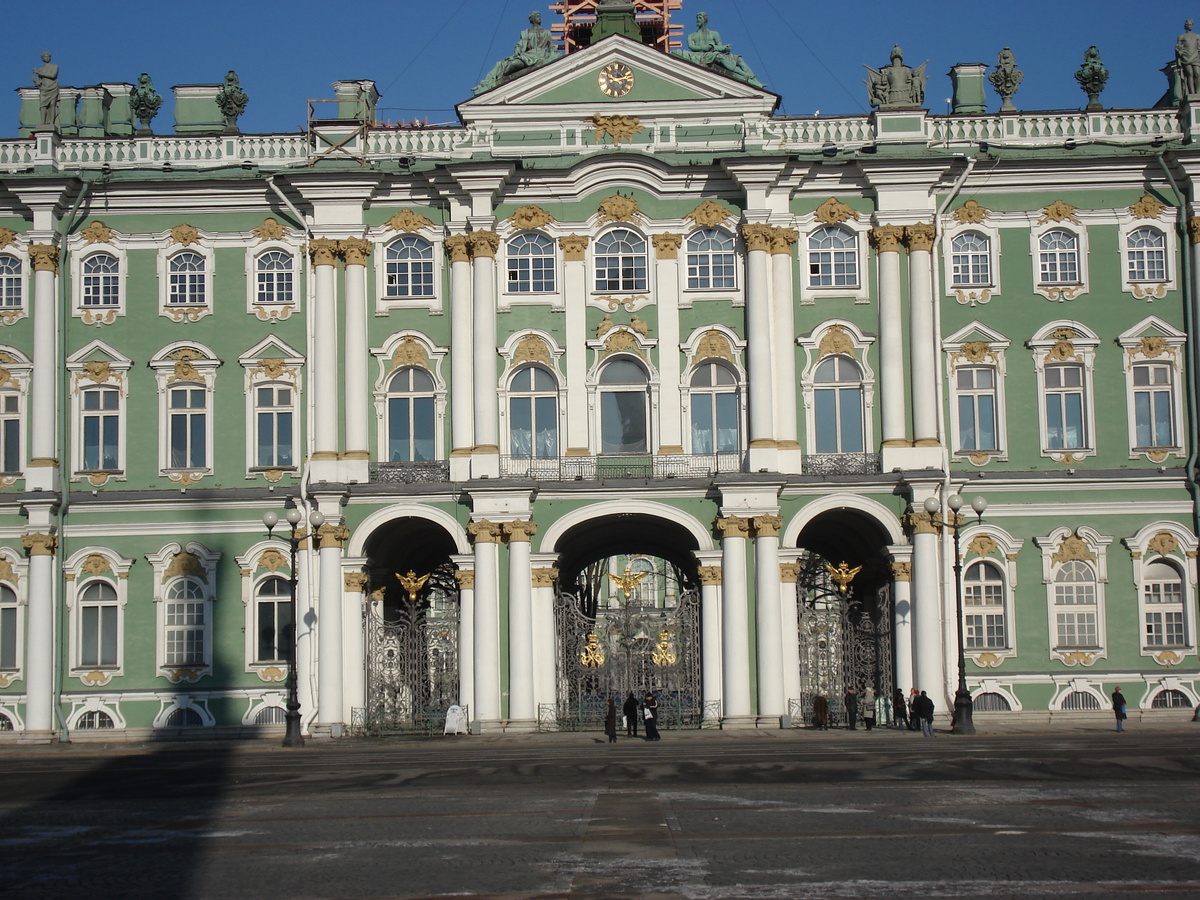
844, 599
411, 628
627, 619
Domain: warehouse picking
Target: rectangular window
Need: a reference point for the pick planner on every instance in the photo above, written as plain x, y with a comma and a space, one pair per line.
101, 429
1064, 408
977, 409
985, 632
10, 432
274, 630
185, 633
8, 637
1154, 424
98, 636
188, 426
273, 427
1077, 629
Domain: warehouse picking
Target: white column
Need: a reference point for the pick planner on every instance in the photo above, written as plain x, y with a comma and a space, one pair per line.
902, 619
789, 612
521, 708
768, 618
485, 459
922, 353
544, 664
330, 716
354, 645
891, 335
759, 354
324, 363
40, 656
462, 378
575, 295
487, 622
784, 333
670, 411
43, 389
466, 635
735, 627
711, 664
306, 632
928, 652
358, 404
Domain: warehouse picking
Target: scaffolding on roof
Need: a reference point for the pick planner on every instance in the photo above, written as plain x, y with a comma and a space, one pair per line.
574, 32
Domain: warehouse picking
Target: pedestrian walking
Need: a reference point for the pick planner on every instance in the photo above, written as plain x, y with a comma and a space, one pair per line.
610, 721
630, 711
851, 701
868, 708
925, 712
1118, 700
899, 709
821, 712
914, 717
650, 717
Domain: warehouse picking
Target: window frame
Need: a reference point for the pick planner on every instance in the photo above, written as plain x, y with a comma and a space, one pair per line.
976, 346
196, 567
1059, 549
986, 543
511, 395
735, 261
273, 310
265, 560
404, 349
837, 337
855, 252
190, 311
18, 368
646, 271
15, 579
1154, 341
736, 389
1149, 289
512, 261
1171, 543
602, 390
88, 566
99, 314
384, 301
20, 279
1060, 290
271, 362
96, 367
976, 294
1061, 344
185, 366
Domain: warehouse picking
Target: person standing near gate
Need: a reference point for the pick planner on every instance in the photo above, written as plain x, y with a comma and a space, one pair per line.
899, 709
610, 721
1118, 700
925, 711
650, 716
630, 711
851, 702
868, 710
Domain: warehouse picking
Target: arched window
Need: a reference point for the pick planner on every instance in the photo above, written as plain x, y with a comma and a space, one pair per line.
1058, 258
533, 413
188, 282
101, 280
1162, 593
1153, 405
184, 619
98, 612
410, 411
710, 259
714, 402
971, 259
273, 274
10, 281
976, 395
1146, 255
992, 702
530, 263
1076, 606
271, 715
1078, 700
409, 267
621, 261
832, 257
1066, 403
94, 718
838, 406
273, 620
8, 628
984, 626
1170, 699
183, 718
623, 408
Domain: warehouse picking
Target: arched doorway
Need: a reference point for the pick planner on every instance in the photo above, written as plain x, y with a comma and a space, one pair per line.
844, 600
411, 628
627, 619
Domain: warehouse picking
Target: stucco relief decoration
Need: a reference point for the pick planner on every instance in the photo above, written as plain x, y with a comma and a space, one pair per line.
270, 230
185, 234
988, 659
666, 245
618, 128
834, 212
1148, 292
184, 563
621, 341
1163, 543
7, 573
545, 577
902, 571
6, 379
96, 678
573, 246
1193, 227
272, 560
982, 545
530, 217
1147, 208
757, 236
8, 237
406, 220
709, 214
886, 238
1168, 658
638, 325
96, 564
184, 370
355, 582
1063, 348
97, 233
274, 367
1151, 346
1058, 211
409, 353
605, 326
971, 213
97, 370
836, 341
272, 674
618, 208
714, 345
178, 676
531, 349
629, 304
456, 248
973, 353
1077, 657
465, 579
1073, 547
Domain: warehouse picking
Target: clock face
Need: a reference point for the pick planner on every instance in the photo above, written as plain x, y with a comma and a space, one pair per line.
616, 79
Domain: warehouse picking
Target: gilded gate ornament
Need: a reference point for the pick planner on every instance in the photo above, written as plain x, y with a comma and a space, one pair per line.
664, 654
412, 583
628, 580
592, 655
842, 575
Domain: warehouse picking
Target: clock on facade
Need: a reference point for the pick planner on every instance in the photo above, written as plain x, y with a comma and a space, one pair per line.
616, 79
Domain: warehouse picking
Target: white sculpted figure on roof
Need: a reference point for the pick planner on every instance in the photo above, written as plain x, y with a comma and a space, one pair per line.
534, 48
46, 79
706, 49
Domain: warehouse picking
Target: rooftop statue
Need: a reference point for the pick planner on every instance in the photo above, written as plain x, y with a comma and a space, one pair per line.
232, 101
1187, 60
1091, 76
46, 80
896, 86
1006, 79
534, 48
144, 101
705, 49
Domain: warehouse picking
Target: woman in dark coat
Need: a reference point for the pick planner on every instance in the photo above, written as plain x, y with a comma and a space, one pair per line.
650, 717
610, 721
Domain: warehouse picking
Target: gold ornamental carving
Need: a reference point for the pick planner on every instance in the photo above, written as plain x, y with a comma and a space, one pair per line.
988, 659
902, 571
185, 234
921, 522
1072, 548
666, 245
835, 341
355, 582
789, 573
531, 349
184, 369
269, 230
96, 678
638, 325
573, 246
664, 653
710, 575
527, 217
976, 352
971, 213
757, 236
7, 380
766, 526
1168, 658
619, 128
45, 257
618, 208
271, 674
456, 248
96, 563
982, 545
484, 532
1157, 455
274, 367
621, 341
782, 241
483, 244
355, 251
1058, 211
1147, 207
272, 560
323, 251
733, 526
97, 370
834, 212
919, 237
604, 326
1077, 657
410, 352
1062, 350
185, 563
842, 575
544, 577
709, 214
628, 580
886, 238
7, 573
7, 678
178, 675
329, 535
412, 583
592, 655
1163, 543
1151, 346
408, 221
8, 237
39, 544
97, 233
1148, 292
714, 345
520, 531
625, 303
465, 579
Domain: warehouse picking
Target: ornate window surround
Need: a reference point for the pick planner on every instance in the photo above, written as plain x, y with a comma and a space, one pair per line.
739, 267
414, 349
861, 229
269, 311
1154, 340
973, 345
507, 298
262, 561
197, 369
622, 342
844, 338
198, 704
1174, 544
272, 362
1146, 290
704, 346
1051, 344
972, 295
1067, 685
996, 546
380, 238
81, 250
84, 567
1060, 291
15, 369
630, 300
17, 250
531, 347
198, 564
109, 704
202, 245
14, 574
102, 366
1061, 546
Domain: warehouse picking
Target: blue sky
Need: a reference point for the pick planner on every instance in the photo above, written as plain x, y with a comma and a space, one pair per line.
425, 57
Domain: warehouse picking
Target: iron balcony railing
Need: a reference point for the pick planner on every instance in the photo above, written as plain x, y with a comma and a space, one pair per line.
424, 472
841, 464
621, 465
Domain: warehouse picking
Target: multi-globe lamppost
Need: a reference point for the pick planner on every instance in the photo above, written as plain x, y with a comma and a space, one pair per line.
291, 737
964, 706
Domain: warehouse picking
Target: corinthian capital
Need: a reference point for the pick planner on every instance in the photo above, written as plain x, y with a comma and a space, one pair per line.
332, 536
520, 530
757, 236
355, 251
483, 244
733, 526
456, 246
919, 236
767, 526
45, 257
323, 251
484, 532
886, 238
39, 544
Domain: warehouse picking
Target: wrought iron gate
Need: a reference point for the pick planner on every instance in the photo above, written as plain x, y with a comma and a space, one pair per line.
632, 644
844, 642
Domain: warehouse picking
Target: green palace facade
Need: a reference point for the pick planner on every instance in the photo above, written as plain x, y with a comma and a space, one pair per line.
624, 383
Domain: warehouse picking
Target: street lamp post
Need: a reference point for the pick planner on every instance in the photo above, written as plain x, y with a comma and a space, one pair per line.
291, 737
964, 706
